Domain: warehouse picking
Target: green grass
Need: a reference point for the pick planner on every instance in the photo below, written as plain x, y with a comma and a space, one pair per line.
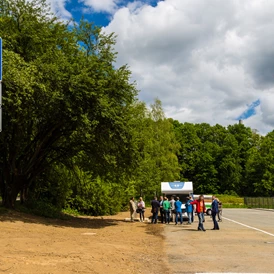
230, 201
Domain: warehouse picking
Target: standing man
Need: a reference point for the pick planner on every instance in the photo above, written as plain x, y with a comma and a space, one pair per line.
178, 210
132, 208
200, 209
214, 210
189, 209
172, 207
166, 208
155, 208
161, 201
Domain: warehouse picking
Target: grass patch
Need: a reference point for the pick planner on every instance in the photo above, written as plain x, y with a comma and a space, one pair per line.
43, 209
71, 212
231, 201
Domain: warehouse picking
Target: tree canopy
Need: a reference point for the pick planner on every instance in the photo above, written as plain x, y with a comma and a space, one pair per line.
76, 135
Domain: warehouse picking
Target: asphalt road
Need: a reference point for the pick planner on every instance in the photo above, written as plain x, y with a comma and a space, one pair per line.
261, 219
244, 244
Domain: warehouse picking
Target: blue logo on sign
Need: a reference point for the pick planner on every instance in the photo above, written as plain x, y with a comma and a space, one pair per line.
177, 185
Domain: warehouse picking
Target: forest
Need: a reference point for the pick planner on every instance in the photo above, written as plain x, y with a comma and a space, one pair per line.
75, 135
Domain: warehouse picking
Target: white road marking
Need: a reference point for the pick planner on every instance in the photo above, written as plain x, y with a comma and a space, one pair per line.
251, 227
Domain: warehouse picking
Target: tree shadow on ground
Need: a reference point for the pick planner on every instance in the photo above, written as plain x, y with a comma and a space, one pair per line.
155, 230
70, 221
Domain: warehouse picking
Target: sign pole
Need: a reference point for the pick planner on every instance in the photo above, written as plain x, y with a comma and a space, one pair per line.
0, 84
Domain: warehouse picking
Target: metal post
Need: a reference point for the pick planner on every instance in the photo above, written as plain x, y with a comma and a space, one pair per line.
0, 84
0, 106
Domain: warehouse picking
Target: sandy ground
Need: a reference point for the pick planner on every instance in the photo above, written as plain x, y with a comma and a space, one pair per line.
30, 244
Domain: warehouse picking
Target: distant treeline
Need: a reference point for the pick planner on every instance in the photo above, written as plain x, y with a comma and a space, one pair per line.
232, 160
76, 136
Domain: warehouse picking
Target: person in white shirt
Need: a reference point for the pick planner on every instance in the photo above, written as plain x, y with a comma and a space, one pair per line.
141, 209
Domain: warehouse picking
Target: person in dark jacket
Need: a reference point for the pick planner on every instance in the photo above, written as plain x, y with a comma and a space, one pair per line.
162, 214
214, 210
155, 209
200, 210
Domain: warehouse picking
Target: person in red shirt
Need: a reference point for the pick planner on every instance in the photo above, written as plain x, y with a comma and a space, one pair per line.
200, 209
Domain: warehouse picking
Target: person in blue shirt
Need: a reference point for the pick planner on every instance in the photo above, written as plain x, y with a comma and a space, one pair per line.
214, 210
178, 211
189, 209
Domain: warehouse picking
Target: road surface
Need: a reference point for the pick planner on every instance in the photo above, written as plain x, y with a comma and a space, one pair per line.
244, 244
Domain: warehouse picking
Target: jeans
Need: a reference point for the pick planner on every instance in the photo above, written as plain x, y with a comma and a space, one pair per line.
167, 214
201, 220
142, 215
215, 223
189, 215
154, 217
162, 215
181, 218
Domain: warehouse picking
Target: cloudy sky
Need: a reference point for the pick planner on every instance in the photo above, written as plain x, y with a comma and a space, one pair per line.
206, 60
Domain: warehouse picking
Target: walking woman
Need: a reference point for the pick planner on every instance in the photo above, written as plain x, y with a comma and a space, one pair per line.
141, 208
200, 210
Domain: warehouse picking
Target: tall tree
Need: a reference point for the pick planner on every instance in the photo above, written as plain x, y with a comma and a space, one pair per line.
60, 98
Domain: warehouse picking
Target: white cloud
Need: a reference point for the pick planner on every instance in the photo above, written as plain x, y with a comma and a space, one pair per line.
206, 60
59, 9
101, 5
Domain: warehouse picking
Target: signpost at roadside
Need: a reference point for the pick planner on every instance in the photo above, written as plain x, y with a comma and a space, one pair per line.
0, 84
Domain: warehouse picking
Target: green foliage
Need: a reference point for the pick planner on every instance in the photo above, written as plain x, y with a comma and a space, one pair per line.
157, 146
60, 100
232, 160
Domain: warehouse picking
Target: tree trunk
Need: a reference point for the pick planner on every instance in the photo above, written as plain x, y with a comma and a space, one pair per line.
11, 189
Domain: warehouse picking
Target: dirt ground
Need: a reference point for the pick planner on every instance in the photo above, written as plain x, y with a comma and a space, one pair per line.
30, 244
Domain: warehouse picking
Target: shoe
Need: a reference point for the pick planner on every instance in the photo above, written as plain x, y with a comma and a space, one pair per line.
199, 229
204, 230
213, 229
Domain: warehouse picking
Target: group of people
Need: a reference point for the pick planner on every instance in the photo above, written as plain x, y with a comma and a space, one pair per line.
171, 210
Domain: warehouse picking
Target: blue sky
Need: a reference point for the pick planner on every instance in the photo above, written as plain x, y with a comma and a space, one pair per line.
102, 18
206, 60
250, 111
